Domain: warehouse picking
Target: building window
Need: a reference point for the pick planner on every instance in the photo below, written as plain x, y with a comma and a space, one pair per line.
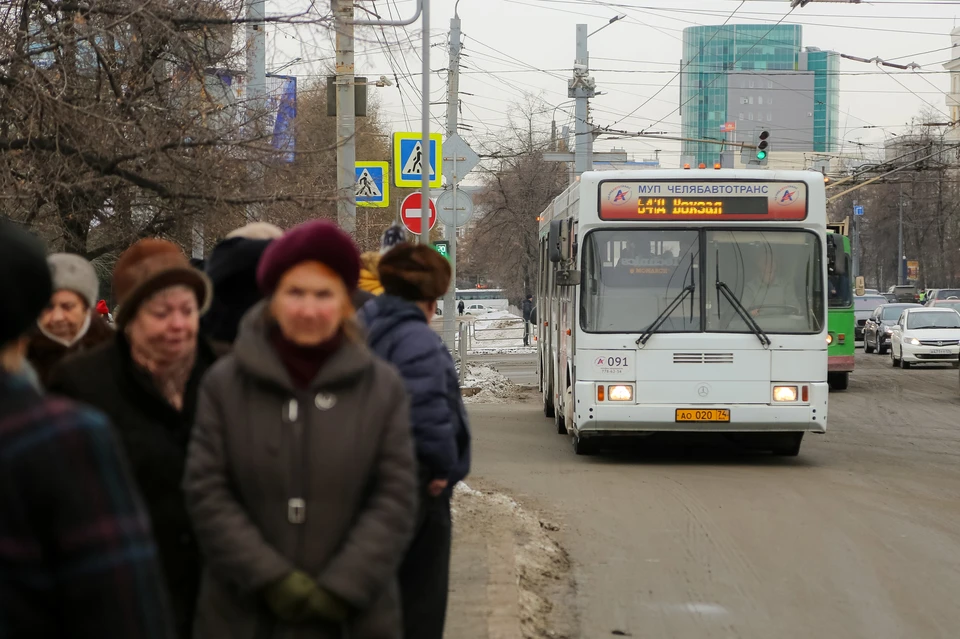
751, 84
743, 100
769, 117
751, 99
769, 84
769, 101
751, 116
760, 99
741, 115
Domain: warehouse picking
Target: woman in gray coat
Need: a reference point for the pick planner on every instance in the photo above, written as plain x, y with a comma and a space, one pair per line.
301, 479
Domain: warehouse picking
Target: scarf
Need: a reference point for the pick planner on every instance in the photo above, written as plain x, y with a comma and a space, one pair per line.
303, 362
170, 377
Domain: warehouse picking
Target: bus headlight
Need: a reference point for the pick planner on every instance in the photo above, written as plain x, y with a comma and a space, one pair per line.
784, 393
829, 339
620, 393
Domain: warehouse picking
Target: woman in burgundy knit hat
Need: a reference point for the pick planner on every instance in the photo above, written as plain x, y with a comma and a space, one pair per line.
301, 475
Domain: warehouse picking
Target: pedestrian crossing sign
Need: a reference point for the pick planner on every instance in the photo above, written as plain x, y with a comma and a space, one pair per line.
373, 184
408, 159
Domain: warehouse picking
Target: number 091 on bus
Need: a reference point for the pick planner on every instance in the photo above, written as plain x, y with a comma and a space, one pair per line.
703, 415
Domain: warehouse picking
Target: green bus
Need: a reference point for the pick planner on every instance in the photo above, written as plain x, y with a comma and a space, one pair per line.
840, 318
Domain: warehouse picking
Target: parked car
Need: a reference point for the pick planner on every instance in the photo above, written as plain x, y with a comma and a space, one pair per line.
475, 309
924, 336
863, 307
905, 293
938, 294
879, 326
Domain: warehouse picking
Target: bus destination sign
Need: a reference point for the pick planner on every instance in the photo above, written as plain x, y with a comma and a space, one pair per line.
689, 201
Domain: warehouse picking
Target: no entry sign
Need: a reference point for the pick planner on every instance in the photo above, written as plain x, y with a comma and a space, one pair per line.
410, 214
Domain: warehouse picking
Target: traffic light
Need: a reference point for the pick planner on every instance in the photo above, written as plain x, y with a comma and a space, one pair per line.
763, 147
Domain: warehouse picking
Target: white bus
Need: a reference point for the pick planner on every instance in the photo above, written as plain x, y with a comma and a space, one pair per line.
686, 300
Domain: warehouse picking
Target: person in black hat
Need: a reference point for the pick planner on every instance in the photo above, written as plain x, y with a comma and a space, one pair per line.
78, 552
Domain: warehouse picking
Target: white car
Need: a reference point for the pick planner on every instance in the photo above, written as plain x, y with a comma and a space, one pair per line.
475, 309
926, 335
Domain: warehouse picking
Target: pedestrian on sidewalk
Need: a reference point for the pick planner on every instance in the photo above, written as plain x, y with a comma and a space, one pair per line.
399, 331
70, 322
76, 555
147, 379
460, 307
232, 267
527, 310
301, 478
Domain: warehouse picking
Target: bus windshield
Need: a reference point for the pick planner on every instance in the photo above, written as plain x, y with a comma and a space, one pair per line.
630, 277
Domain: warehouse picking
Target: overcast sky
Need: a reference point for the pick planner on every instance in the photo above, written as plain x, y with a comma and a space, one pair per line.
518, 46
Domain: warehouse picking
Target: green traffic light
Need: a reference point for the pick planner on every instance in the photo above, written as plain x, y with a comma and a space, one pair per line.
761, 155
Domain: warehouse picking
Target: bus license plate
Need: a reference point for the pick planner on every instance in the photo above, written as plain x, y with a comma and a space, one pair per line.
703, 415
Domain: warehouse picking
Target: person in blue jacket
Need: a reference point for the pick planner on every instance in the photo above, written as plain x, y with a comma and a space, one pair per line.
398, 330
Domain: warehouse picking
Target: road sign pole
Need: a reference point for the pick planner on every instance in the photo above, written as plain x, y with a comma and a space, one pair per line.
425, 145
346, 117
450, 230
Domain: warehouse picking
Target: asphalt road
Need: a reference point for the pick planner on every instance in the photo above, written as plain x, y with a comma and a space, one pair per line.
858, 537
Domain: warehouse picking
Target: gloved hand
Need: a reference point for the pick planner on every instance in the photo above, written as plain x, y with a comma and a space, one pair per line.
289, 598
327, 606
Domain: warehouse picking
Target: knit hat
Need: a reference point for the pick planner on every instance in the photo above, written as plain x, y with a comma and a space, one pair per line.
316, 241
391, 237
73, 273
232, 267
26, 286
149, 266
257, 231
414, 272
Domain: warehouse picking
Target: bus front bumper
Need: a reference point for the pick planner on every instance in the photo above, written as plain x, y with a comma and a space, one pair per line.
613, 419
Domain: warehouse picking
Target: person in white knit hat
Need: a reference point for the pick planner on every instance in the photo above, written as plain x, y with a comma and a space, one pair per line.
69, 324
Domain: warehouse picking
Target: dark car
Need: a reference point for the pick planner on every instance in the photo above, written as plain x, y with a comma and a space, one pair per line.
905, 293
863, 307
876, 331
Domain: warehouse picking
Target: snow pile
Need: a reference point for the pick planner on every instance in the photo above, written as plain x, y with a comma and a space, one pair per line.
495, 388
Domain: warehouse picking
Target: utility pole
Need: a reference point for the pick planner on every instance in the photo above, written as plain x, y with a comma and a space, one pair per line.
450, 230
856, 243
256, 87
901, 276
346, 117
582, 87
424, 237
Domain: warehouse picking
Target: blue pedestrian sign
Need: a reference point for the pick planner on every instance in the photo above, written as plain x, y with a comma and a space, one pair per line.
409, 158
373, 184
858, 210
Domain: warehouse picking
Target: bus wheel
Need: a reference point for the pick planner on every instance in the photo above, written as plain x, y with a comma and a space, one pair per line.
838, 381
788, 444
558, 421
548, 410
588, 446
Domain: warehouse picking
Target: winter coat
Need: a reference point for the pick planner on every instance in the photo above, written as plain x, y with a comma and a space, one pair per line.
342, 446
397, 331
527, 310
45, 353
232, 268
76, 556
154, 436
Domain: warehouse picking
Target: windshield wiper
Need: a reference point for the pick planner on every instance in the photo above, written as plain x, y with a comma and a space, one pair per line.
662, 317
743, 313
690, 289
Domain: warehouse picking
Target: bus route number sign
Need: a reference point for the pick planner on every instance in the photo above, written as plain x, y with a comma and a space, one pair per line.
693, 200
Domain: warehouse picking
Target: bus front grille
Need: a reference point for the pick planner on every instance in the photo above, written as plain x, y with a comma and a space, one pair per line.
703, 358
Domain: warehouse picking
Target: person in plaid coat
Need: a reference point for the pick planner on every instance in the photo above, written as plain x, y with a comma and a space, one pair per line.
77, 558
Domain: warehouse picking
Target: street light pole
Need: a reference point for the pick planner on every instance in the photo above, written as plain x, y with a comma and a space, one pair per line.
346, 117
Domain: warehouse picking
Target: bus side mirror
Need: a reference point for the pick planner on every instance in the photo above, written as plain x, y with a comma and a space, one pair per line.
861, 287
553, 241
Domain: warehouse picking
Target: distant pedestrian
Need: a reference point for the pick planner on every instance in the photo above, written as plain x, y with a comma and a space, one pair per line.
460, 307
232, 268
76, 555
301, 478
146, 379
391, 237
70, 322
527, 310
399, 331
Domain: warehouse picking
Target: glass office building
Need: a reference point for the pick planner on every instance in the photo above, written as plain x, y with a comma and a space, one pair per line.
712, 53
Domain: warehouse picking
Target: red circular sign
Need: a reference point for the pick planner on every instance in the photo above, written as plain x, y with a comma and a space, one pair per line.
410, 213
